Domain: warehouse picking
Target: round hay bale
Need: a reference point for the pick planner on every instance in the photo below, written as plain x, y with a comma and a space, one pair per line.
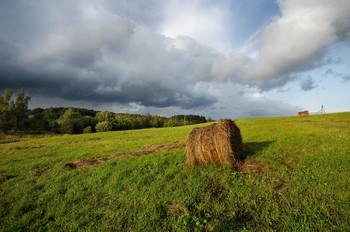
220, 143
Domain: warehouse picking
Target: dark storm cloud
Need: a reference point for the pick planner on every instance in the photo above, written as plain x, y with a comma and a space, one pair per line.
68, 87
94, 55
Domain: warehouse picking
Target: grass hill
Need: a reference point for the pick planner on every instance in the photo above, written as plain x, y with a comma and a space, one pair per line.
295, 177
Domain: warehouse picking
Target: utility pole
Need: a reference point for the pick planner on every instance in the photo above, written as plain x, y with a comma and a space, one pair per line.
322, 110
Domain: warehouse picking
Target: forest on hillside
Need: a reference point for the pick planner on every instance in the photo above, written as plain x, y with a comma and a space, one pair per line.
16, 117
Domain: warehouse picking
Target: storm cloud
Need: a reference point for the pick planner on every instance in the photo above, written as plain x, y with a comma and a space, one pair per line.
104, 58
106, 52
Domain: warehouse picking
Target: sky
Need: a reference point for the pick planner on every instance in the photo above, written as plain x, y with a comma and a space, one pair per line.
219, 59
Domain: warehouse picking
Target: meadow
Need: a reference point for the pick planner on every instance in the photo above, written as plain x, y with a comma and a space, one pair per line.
295, 177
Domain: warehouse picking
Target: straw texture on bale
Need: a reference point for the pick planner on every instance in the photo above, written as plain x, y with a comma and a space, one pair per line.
304, 113
219, 143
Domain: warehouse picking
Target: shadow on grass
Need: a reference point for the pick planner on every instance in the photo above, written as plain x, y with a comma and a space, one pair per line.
241, 220
255, 148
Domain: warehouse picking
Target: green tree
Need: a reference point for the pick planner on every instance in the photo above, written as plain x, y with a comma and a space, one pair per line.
71, 122
104, 126
88, 121
21, 111
37, 121
157, 121
105, 116
87, 129
123, 122
210, 119
51, 117
6, 111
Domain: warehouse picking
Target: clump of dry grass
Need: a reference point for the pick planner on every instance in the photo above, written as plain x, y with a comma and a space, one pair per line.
219, 143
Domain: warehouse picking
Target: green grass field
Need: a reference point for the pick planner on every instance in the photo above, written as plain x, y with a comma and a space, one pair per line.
296, 177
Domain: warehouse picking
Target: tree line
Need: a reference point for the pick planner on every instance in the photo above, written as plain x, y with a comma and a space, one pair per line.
15, 116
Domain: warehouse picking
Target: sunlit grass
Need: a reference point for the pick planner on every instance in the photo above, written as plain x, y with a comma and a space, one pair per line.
303, 185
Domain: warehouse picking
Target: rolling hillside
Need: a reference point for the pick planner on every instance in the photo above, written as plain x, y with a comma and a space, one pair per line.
295, 177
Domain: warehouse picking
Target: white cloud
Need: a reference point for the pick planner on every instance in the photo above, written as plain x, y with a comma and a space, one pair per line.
206, 24
300, 37
296, 41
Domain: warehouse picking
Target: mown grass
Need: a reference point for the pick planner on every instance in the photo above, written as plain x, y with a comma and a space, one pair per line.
299, 180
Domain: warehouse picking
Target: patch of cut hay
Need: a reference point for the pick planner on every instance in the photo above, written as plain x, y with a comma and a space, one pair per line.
4, 178
13, 149
81, 164
220, 143
150, 149
37, 172
36, 146
164, 147
85, 163
304, 113
176, 210
49, 155
82, 141
252, 166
